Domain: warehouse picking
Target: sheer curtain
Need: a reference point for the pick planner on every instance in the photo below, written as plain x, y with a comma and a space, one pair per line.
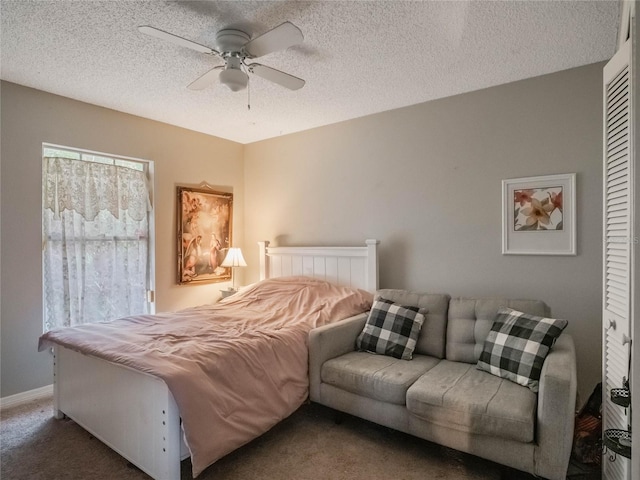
95, 242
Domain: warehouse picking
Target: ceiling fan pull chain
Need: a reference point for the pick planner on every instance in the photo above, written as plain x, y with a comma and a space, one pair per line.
249, 94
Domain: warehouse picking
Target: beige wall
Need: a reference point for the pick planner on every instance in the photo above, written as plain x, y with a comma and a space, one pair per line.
181, 157
426, 181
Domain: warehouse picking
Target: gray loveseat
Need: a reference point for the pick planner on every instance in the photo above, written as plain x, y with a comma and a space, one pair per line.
441, 396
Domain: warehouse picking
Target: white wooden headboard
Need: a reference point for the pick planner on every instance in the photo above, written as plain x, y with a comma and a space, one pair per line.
355, 267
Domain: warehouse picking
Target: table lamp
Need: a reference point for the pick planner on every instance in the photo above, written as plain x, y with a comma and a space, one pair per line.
234, 259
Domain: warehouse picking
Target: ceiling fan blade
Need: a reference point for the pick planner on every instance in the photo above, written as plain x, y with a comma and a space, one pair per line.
205, 80
170, 37
283, 36
276, 76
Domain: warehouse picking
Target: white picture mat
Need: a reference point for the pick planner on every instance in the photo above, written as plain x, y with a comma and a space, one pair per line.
539, 242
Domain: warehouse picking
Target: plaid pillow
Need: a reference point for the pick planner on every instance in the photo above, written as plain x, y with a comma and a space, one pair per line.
517, 345
391, 329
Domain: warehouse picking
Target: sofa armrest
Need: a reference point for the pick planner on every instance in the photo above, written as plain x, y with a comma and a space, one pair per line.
330, 341
556, 410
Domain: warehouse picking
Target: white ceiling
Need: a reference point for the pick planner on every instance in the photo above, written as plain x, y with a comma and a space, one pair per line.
358, 57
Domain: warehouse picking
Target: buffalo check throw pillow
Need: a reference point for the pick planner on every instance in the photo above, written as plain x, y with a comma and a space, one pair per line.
517, 345
391, 329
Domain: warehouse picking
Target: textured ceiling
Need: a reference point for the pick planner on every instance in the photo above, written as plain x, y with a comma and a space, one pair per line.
357, 57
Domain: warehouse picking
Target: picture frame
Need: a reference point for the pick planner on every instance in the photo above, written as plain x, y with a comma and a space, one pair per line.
204, 234
539, 215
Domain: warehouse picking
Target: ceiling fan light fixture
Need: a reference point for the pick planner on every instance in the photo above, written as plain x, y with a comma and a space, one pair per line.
235, 79
234, 47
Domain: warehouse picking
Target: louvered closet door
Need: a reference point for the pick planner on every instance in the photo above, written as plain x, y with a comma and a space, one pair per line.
617, 246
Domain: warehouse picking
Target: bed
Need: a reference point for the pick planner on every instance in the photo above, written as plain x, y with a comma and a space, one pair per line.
135, 412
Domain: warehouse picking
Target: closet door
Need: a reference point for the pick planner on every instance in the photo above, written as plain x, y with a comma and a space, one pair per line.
618, 244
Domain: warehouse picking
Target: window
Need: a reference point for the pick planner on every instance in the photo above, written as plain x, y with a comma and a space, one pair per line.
97, 226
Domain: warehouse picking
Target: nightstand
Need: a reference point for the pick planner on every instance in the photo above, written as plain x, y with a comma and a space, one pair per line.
227, 293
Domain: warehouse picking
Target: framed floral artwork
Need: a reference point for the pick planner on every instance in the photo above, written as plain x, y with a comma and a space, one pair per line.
539, 215
204, 234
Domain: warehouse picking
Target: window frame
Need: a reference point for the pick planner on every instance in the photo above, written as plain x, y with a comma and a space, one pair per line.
148, 167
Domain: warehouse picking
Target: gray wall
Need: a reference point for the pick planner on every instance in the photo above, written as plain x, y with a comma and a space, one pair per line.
182, 157
426, 181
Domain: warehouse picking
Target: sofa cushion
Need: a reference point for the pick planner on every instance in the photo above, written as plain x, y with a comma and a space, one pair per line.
458, 395
517, 345
431, 340
391, 329
375, 376
470, 320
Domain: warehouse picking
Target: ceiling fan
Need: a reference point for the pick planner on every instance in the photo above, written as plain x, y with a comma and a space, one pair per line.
235, 47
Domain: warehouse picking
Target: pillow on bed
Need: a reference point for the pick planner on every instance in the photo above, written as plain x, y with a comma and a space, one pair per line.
517, 345
391, 329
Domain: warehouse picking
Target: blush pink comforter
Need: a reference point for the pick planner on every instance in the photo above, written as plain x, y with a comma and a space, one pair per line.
235, 368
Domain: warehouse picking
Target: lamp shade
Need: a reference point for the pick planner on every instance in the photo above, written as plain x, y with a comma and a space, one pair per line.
234, 258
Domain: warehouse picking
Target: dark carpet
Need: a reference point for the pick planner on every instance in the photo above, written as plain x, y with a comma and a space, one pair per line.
308, 445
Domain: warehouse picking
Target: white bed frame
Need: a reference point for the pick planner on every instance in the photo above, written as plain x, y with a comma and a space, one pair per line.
134, 413
355, 267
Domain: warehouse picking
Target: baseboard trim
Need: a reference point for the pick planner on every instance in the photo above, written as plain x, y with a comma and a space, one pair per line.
24, 397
